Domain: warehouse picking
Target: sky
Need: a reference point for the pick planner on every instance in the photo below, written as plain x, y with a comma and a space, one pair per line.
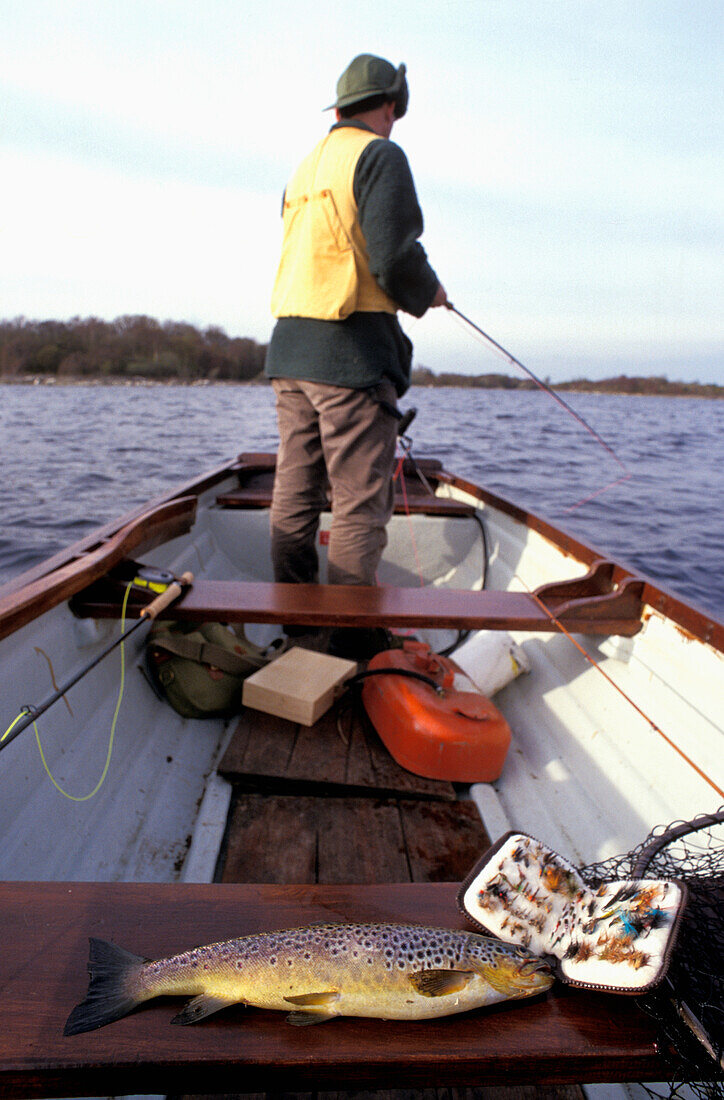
566, 154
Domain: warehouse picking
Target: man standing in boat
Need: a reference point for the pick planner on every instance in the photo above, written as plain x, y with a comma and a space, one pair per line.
338, 358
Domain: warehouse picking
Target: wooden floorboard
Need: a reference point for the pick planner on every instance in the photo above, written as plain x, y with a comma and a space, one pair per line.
271, 839
361, 840
442, 841
284, 839
340, 754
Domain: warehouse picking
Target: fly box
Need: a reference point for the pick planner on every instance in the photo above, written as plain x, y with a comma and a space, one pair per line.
300, 685
617, 936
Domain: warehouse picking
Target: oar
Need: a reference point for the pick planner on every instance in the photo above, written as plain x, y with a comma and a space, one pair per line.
151, 611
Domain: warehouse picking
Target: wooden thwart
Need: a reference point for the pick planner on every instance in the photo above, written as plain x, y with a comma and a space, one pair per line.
617, 612
254, 497
256, 481
566, 1036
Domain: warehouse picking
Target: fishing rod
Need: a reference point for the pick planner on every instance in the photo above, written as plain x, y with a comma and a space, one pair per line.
170, 594
516, 362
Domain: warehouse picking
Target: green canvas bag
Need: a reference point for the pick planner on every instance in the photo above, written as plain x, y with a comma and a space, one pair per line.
200, 668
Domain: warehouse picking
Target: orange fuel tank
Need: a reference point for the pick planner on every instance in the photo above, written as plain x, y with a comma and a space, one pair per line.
457, 735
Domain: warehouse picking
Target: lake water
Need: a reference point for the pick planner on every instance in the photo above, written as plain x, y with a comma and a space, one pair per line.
74, 457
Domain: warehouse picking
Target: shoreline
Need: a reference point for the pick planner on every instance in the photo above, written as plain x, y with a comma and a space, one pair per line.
152, 383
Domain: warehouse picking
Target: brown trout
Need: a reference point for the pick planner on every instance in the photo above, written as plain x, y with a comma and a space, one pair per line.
389, 971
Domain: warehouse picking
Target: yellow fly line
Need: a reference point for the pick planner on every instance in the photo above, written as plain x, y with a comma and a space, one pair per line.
99, 784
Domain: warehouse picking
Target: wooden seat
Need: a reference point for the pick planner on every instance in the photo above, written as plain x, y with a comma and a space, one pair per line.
567, 1036
255, 497
361, 606
413, 496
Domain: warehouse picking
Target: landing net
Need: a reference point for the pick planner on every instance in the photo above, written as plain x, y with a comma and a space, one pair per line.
688, 1006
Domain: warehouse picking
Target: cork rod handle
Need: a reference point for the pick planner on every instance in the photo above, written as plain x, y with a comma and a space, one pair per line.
172, 593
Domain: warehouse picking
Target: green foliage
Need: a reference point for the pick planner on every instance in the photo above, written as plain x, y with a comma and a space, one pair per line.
129, 347
657, 386
136, 347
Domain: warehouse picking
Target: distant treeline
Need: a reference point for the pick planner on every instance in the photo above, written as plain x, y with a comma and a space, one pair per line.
657, 386
138, 347
129, 347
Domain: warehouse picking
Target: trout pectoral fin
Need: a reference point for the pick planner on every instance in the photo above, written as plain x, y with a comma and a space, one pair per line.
439, 983
498, 979
328, 997
199, 1007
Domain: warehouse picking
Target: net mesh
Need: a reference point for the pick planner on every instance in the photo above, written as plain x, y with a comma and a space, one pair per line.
688, 1006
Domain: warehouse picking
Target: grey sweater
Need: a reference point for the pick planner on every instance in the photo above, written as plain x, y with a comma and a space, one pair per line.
365, 348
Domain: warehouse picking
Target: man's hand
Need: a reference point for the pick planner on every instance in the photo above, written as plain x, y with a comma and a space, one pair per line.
440, 298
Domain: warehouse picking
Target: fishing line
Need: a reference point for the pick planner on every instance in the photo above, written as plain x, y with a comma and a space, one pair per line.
399, 475
620, 690
111, 740
556, 397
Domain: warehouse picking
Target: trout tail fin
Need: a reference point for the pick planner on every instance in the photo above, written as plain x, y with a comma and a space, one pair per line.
113, 991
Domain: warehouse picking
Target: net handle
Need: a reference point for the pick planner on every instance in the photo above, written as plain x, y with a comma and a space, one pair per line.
703, 821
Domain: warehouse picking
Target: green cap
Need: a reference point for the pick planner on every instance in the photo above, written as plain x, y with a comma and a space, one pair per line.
369, 76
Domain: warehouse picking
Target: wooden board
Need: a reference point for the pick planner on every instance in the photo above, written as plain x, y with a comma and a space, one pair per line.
256, 482
340, 605
564, 1037
301, 685
340, 753
278, 839
257, 497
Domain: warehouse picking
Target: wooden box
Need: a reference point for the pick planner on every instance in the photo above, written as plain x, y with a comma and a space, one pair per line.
300, 685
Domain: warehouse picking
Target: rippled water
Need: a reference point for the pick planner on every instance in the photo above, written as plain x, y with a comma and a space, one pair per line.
74, 457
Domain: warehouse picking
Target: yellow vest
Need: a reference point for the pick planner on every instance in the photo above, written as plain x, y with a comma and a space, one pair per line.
324, 268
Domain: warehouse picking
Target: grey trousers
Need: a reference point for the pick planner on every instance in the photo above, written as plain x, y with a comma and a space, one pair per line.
336, 437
